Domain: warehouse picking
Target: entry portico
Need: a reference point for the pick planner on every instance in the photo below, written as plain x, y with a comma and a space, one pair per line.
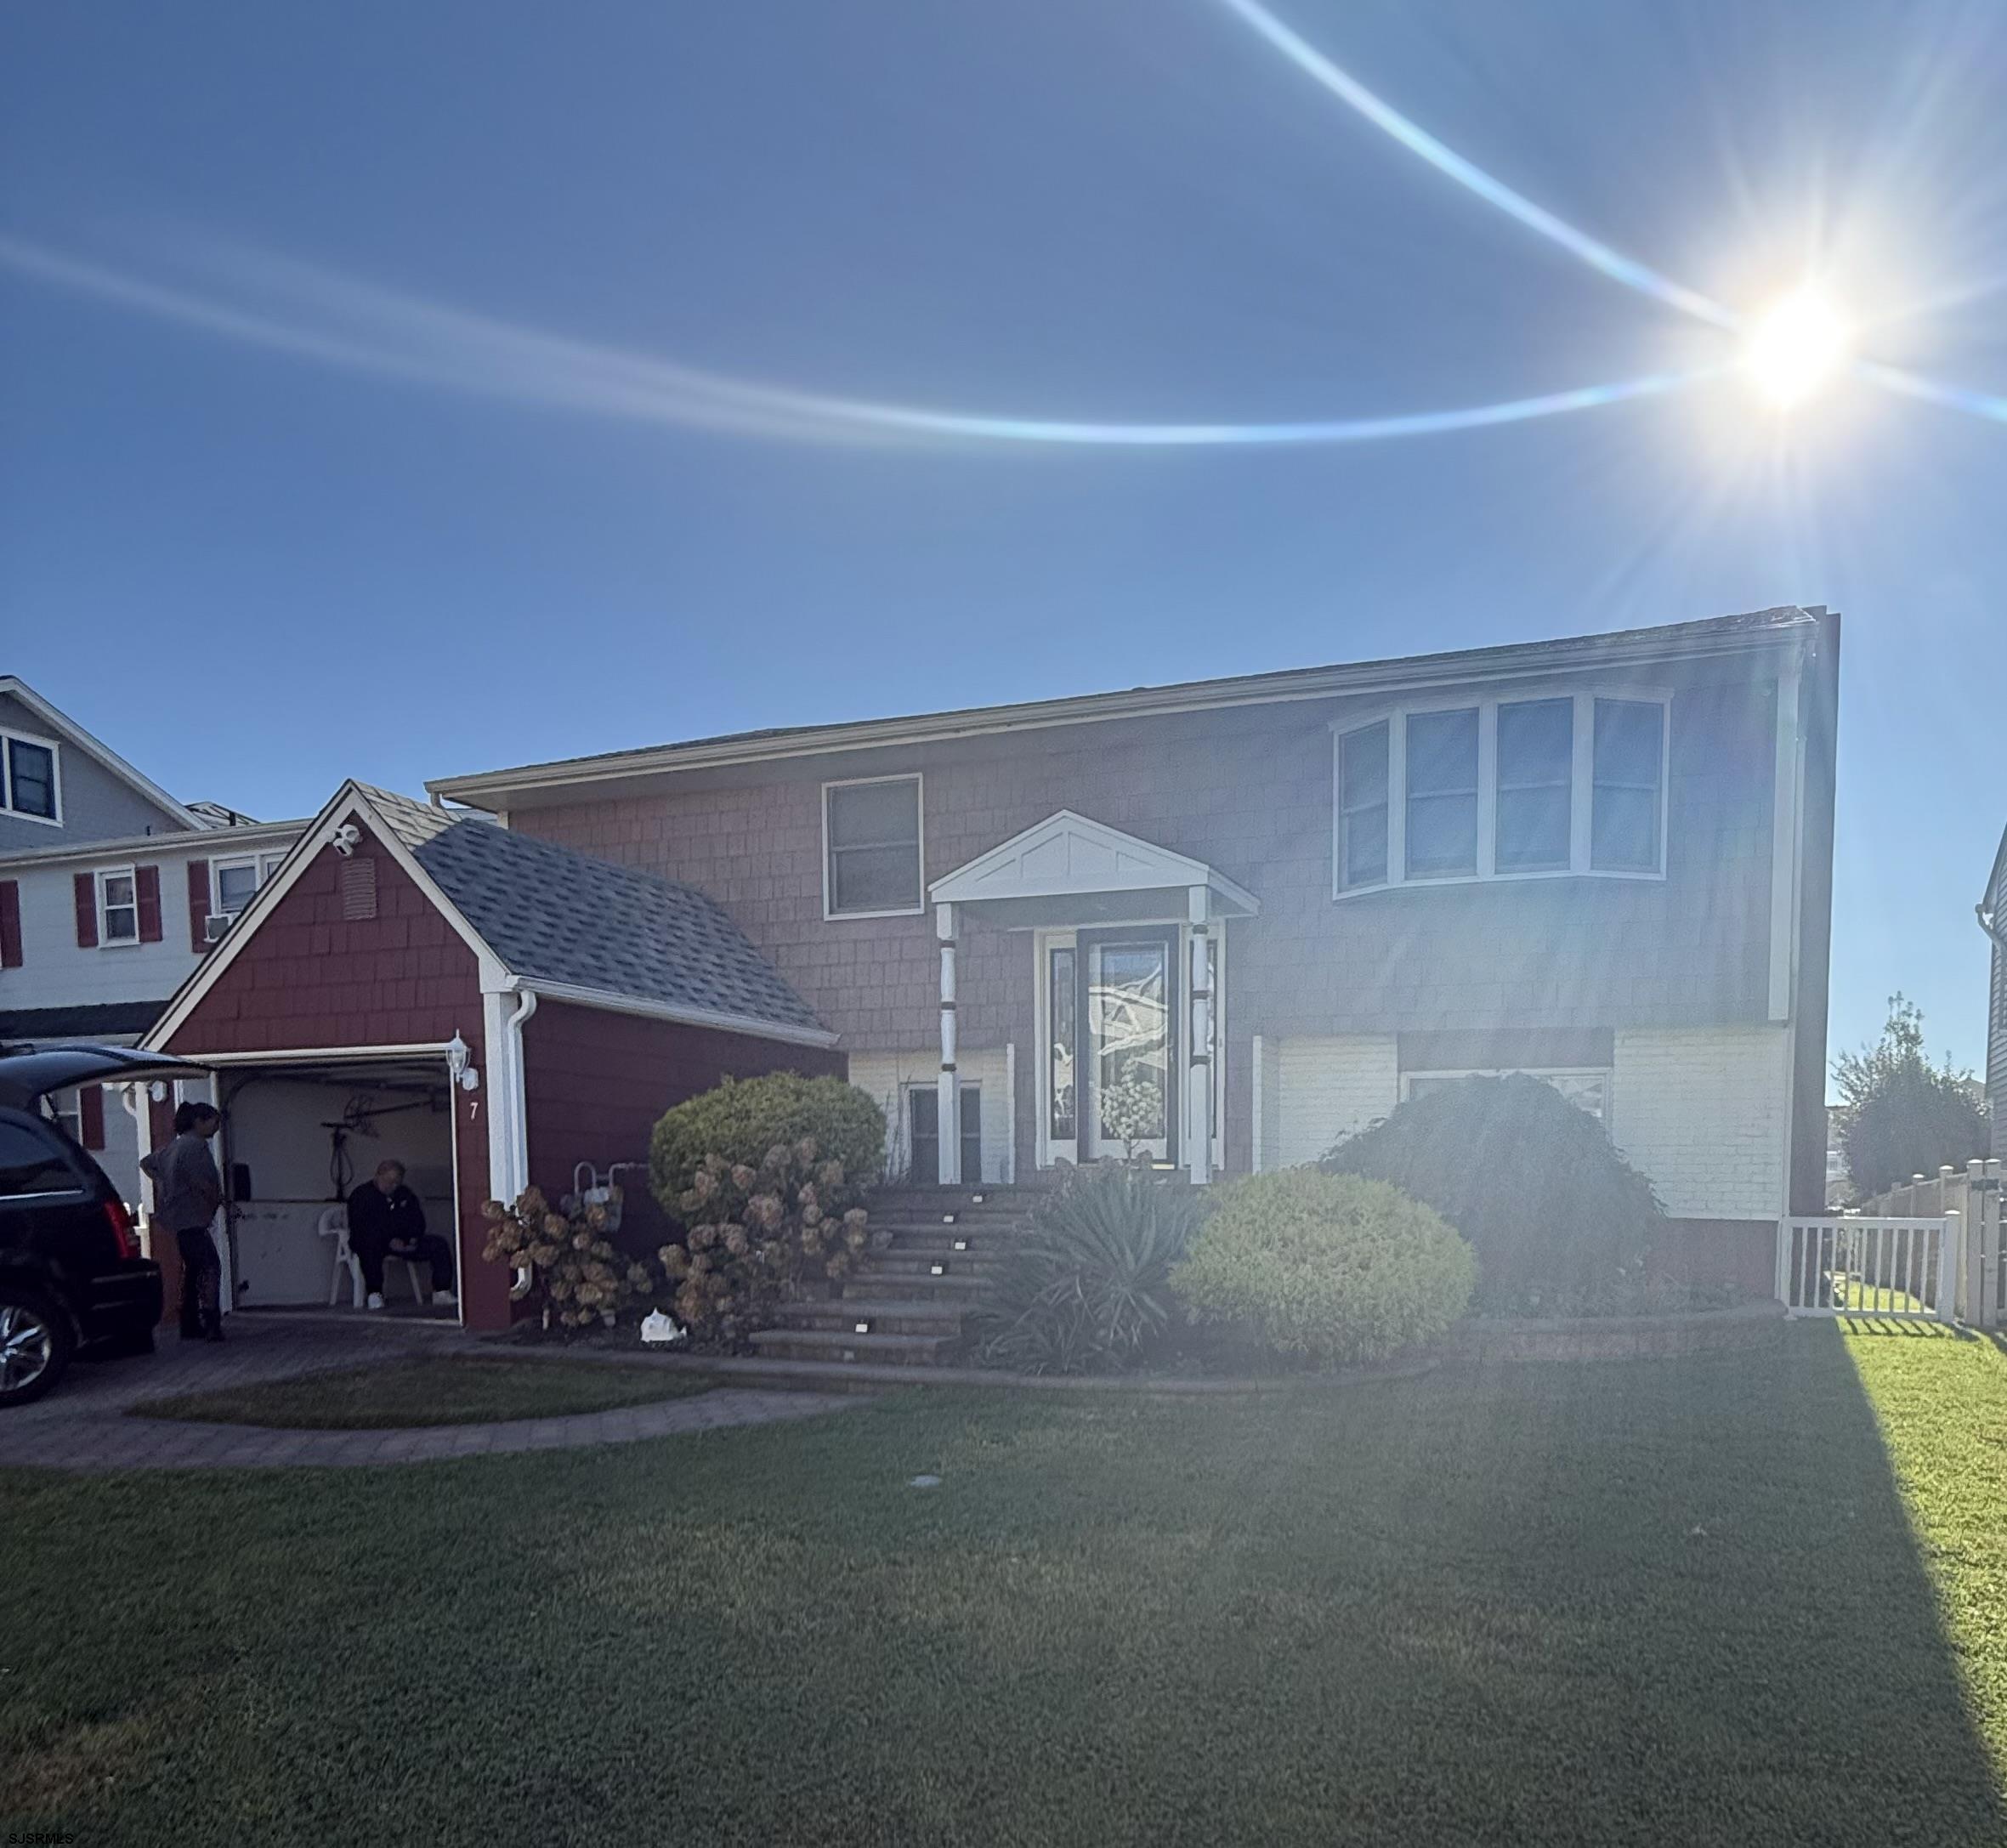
1128, 938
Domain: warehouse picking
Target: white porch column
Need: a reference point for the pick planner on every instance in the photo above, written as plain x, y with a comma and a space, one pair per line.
1198, 1092
948, 1126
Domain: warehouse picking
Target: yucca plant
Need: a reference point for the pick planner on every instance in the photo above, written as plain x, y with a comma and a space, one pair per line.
1085, 1289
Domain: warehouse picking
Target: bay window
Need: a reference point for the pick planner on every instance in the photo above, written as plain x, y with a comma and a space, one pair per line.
1503, 789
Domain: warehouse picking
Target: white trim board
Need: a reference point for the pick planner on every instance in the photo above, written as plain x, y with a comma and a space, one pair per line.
70, 732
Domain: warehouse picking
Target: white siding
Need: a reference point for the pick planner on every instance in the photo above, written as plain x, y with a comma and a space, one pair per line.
55, 972
1327, 1088
1705, 1113
887, 1075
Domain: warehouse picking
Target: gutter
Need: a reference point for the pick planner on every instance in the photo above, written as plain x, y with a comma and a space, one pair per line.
608, 1000
519, 1102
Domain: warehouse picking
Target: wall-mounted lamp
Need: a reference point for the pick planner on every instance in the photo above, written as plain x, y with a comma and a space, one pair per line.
462, 1073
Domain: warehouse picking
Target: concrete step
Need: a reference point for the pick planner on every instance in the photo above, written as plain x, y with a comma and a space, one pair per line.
955, 1288
887, 1315
836, 1344
940, 1241
915, 1265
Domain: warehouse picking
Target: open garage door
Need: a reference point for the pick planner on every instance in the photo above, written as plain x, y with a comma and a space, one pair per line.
298, 1139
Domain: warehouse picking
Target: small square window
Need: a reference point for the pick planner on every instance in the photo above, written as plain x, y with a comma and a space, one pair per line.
871, 837
236, 884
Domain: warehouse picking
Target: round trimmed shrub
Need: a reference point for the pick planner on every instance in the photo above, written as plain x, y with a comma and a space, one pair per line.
1328, 1268
743, 1119
1560, 1220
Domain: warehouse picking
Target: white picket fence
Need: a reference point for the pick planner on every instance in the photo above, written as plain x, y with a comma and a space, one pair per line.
1888, 1267
1929, 1249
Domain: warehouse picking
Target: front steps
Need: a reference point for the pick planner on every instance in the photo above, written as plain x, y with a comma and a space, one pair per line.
907, 1305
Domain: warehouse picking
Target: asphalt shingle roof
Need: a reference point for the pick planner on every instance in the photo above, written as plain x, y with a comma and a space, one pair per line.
548, 912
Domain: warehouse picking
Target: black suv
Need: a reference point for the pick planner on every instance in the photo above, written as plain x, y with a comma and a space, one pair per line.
71, 1272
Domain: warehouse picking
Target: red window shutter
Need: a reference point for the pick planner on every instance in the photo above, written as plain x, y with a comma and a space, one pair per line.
90, 1108
198, 906
87, 910
147, 888
10, 924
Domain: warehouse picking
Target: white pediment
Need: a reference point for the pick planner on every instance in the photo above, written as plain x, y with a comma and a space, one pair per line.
1067, 855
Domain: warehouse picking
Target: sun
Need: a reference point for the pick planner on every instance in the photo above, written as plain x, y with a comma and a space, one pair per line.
1794, 347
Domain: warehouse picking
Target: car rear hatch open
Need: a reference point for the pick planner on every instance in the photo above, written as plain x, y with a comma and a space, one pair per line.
28, 1077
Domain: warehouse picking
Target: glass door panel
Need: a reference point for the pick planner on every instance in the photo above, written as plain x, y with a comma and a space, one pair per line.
1128, 1054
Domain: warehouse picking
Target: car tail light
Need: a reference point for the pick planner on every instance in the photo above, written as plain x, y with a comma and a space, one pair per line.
121, 1229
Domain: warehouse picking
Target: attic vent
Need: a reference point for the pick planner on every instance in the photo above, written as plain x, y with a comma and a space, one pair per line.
359, 888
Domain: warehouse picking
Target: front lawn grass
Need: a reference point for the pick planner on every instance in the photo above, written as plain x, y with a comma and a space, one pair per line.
1692, 1601
431, 1390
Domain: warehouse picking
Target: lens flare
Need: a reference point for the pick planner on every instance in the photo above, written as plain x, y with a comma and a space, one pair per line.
1794, 347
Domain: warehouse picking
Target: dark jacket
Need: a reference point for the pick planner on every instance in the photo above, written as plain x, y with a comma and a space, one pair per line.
382, 1220
186, 1187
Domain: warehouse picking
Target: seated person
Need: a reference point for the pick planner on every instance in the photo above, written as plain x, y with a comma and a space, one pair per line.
385, 1219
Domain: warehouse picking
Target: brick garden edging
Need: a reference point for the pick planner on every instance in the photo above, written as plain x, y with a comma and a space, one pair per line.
1619, 1337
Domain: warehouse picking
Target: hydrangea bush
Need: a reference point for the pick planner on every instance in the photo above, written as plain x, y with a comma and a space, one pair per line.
758, 1234
569, 1257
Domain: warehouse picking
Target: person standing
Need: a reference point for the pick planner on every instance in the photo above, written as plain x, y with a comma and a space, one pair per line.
187, 1190
386, 1220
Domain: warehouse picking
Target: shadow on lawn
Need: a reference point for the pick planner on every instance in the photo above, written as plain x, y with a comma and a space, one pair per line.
1896, 1753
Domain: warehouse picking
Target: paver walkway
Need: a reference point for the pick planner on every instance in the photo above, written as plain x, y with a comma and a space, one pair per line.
83, 1424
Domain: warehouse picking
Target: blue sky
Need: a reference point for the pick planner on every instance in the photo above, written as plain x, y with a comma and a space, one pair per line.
256, 571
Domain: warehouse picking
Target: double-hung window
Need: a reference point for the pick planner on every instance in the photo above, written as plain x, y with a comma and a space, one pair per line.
28, 778
872, 847
1504, 788
237, 880
118, 906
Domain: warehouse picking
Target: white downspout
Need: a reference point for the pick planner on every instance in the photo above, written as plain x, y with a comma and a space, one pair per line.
518, 1106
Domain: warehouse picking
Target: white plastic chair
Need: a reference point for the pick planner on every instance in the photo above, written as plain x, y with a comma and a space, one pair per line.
334, 1224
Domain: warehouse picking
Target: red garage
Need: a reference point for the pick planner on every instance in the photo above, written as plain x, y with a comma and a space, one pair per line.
487, 1008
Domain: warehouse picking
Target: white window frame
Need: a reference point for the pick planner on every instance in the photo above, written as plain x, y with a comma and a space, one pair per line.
105, 939
8, 737
262, 865
1546, 1073
66, 1107
1582, 787
918, 782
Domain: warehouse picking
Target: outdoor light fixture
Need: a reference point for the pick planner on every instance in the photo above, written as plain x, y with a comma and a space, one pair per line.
462, 1073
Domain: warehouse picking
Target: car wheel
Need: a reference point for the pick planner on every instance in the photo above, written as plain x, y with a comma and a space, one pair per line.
34, 1345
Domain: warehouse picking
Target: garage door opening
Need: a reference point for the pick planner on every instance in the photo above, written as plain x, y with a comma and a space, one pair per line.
298, 1139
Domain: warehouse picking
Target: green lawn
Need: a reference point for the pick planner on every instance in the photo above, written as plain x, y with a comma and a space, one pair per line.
433, 1390
1675, 1601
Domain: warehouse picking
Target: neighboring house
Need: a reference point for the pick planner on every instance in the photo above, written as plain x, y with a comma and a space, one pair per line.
1230, 921
487, 1007
111, 892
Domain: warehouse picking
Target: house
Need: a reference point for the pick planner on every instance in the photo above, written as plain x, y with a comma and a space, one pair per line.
1222, 924
111, 892
1228, 922
1993, 919
486, 1006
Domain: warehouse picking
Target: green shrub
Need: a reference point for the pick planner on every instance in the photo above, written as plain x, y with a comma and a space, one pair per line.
742, 1118
1560, 1220
1086, 1287
1329, 1268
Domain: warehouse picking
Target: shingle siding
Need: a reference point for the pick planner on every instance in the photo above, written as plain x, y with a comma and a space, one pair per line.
1248, 792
